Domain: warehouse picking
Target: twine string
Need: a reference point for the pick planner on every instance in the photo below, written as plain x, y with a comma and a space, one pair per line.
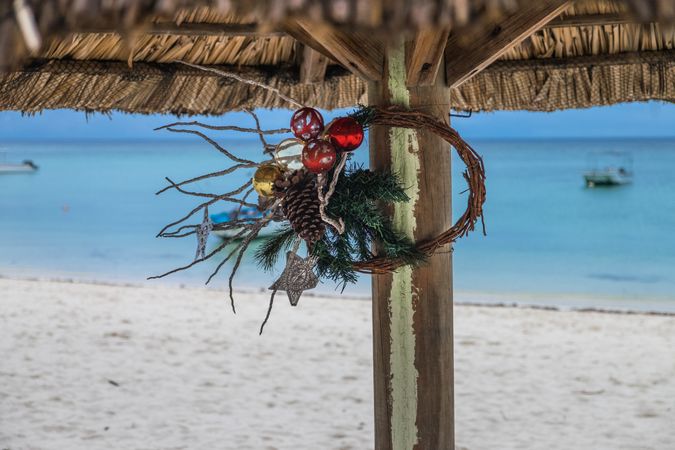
338, 224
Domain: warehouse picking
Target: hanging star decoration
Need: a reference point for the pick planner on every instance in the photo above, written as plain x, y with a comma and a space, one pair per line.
203, 232
297, 277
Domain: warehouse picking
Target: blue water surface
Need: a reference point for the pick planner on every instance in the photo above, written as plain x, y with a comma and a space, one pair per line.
90, 212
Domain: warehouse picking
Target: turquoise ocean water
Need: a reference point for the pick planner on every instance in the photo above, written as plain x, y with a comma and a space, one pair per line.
90, 213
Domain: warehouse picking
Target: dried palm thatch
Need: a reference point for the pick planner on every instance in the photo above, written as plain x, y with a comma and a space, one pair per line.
577, 83
165, 88
171, 88
55, 17
117, 55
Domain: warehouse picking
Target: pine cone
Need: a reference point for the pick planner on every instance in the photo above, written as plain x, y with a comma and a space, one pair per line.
301, 208
290, 178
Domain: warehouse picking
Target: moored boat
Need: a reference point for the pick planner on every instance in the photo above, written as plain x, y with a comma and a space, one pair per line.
24, 167
237, 214
609, 169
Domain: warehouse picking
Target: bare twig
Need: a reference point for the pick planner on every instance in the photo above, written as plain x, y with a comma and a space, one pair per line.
269, 311
230, 224
227, 258
193, 263
223, 197
203, 205
184, 227
244, 245
209, 175
214, 144
249, 192
234, 76
224, 244
187, 216
219, 226
225, 128
182, 235
190, 193
261, 135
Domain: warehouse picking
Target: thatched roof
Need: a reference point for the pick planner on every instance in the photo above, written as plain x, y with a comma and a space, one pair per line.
117, 55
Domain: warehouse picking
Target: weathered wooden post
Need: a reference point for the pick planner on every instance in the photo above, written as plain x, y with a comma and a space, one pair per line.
412, 309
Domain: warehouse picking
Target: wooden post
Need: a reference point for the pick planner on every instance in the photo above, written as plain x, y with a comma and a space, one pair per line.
412, 309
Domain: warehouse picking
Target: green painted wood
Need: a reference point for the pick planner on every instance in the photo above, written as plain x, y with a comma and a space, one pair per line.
412, 309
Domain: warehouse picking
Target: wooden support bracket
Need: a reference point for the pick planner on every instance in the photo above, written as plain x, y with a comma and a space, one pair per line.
356, 51
425, 55
312, 66
465, 58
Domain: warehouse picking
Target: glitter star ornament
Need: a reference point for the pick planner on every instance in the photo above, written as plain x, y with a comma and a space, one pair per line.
297, 277
202, 233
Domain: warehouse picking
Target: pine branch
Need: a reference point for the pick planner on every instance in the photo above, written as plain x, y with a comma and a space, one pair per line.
268, 253
357, 200
363, 115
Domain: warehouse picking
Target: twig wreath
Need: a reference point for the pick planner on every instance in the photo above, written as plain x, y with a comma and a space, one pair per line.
474, 176
308, 193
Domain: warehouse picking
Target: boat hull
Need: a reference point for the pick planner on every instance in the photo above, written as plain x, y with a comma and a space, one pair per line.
228, 234
605, 179
16, 168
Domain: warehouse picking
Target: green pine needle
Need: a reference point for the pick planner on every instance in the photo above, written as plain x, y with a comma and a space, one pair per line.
363, 115
357, 200
268, 253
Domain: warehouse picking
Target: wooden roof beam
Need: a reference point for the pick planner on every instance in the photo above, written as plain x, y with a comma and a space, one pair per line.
356, 51
312, 66
425, 55
466, 57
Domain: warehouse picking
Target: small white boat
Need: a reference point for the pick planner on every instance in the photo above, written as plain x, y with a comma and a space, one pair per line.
609, 169
610, 176
227, 216
26, 166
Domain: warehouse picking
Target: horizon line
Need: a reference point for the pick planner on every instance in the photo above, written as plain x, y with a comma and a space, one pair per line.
252, 138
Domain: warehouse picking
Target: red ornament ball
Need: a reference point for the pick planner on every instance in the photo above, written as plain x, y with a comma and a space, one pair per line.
319, 156
307, 123
345, 133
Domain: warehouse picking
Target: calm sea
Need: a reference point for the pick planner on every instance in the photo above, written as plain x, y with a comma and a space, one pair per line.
90, 213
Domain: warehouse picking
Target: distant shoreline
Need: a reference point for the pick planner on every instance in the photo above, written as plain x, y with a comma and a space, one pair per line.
184, 140
462, 298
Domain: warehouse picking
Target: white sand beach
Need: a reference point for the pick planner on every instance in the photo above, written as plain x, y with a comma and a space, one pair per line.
87, 366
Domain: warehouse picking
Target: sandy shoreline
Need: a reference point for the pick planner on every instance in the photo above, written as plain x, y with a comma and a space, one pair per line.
526, 300
88, 366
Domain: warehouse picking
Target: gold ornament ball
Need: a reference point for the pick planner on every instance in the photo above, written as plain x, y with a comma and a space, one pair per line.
264, 178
